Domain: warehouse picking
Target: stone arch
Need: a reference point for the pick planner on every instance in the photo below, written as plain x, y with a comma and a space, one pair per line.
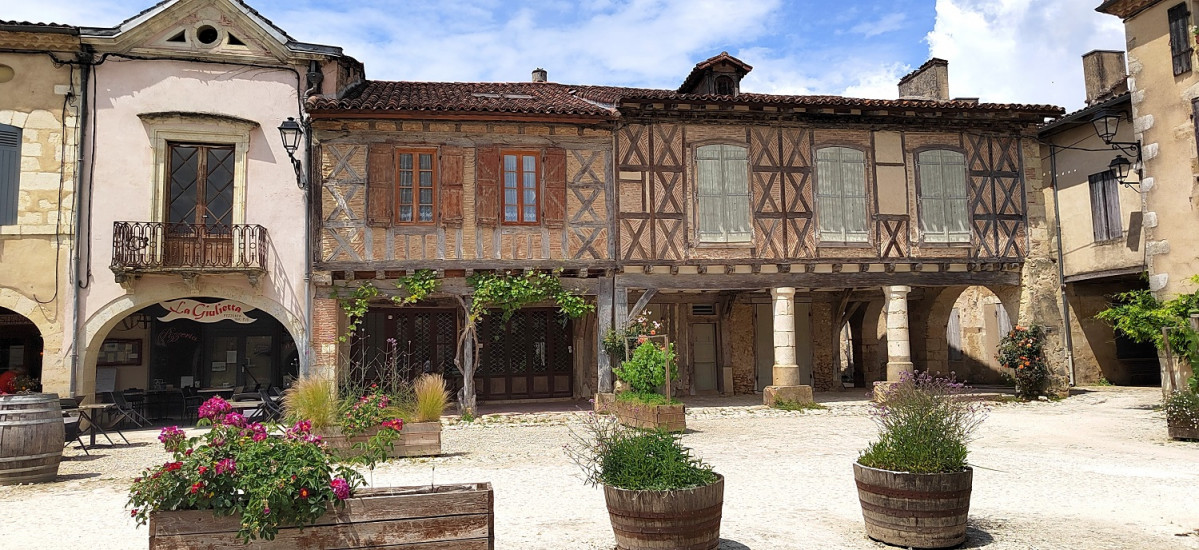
873, 335
27, 307
52, 322
104, 319
931, 346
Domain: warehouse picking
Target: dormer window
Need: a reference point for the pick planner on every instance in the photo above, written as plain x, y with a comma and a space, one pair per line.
724, 85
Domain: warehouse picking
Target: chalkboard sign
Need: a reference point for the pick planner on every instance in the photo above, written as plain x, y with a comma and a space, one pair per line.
106, 380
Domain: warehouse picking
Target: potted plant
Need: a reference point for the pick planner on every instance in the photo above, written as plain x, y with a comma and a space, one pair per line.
250, 482
348, 425
1023, 351
1182, 412
658, 494
914, 482
646, 372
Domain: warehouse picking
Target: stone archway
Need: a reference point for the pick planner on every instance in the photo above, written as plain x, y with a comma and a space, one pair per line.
977, 319
50, 323
106, 318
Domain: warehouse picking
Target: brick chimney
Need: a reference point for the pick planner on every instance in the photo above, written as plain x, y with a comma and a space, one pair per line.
1104, 74
930, 81
540, 75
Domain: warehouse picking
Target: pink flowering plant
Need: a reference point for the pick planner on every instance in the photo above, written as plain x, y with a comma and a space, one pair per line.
372, 411
238, 468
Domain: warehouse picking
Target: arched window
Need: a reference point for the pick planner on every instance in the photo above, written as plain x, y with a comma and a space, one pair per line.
10, 172
724, 85
723, 191
943, 214
841, 195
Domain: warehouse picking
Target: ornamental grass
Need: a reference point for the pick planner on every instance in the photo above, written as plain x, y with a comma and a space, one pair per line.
925, 423
431, 398
314, 399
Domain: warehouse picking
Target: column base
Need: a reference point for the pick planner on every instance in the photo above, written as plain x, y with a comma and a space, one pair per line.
786, 375
897, 368
797, 394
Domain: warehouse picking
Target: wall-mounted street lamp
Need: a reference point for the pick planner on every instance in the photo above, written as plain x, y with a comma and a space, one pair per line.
1106, 124
291, 132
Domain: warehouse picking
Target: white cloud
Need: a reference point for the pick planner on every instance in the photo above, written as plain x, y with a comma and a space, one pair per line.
888, 23
1025, 51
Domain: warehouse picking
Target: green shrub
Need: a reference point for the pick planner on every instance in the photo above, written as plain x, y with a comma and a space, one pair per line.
1023, 351
646, 398
645, 371
636, 460
785, 405
924, 425
1182, 409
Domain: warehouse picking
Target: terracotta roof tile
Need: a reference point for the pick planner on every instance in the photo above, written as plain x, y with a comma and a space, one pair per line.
33, 24
554, 98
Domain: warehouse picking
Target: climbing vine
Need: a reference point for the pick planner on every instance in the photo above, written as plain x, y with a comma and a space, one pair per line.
1141, 317
415, 286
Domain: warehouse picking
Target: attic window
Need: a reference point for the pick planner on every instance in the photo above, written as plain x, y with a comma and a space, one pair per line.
207, 34
724, 85
235, 41
181, 36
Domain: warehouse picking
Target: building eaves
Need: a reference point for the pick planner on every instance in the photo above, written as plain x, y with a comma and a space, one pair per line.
1125, 9
27, 26
1082, 116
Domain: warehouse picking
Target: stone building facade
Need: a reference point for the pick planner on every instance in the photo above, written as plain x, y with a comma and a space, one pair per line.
40, 90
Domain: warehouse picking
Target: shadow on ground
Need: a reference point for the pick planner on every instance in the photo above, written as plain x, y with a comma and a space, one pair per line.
76, 477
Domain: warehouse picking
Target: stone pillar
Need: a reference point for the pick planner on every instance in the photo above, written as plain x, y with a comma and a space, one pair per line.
785, 384
899, 351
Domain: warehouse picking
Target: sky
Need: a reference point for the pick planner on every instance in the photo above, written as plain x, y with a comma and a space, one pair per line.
1018, 51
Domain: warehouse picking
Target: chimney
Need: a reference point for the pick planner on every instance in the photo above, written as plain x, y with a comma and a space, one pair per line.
539, 75
930, 81
1104, 74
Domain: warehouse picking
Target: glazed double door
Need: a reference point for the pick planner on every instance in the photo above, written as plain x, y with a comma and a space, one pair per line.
199, 206
238, 359
527, 357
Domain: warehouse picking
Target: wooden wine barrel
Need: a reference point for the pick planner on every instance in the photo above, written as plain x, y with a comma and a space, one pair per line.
687, 519
914, 510
31, 438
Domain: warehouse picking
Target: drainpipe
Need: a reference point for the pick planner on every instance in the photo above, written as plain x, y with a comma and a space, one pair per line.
1061, 265
314, 80
80, 136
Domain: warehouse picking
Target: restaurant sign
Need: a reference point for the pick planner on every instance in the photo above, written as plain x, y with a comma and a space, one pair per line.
225, 310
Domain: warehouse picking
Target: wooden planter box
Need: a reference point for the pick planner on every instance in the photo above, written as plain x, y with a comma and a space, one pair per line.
416, 439
671, 418
686, 518
441, 517
1183, 431
914, 510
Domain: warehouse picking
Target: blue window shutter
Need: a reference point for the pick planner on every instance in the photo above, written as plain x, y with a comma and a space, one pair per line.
10, 172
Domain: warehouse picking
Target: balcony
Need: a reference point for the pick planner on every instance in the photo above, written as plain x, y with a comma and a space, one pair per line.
187, 249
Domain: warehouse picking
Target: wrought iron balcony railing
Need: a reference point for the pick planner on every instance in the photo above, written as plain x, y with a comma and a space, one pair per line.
159, 247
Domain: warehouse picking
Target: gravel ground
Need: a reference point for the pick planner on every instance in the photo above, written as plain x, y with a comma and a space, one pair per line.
1094, 471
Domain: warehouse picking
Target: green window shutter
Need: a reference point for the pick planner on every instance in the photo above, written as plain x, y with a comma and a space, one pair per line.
722, 190
943, 214
10, 173
841, 195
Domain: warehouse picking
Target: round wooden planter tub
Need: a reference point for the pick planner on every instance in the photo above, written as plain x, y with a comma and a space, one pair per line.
686, 519
914, 510
31, 438
1183, 431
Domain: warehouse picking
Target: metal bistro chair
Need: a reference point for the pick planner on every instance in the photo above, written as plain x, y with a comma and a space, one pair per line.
191, 402
271, 409
125, 411
71, 424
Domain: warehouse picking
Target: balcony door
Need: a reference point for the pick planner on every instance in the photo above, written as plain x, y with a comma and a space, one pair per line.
199, 206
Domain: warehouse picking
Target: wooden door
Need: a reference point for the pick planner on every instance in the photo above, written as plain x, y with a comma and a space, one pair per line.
763, 345
703, 356
199, 206
527, 357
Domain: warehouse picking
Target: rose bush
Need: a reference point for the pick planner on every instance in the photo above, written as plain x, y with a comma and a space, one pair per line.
1023, 351
236, 468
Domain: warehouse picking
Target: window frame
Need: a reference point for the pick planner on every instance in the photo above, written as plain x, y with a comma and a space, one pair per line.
1110, 190
521, 205
199, 128
1178, 27
920, 210
868, 197
700, 239
436, 174
202, 174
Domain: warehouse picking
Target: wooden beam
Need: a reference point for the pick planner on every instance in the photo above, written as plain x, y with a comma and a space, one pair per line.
761, 281
642, 302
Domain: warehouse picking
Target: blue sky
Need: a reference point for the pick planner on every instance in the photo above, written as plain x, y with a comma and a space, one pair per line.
1025, 51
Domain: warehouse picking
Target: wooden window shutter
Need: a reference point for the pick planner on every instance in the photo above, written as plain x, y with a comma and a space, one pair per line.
380, 183
10, 173
553, 205
452, 167
1180, 38
487, 186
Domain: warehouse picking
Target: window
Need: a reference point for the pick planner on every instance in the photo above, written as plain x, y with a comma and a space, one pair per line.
841, 194
10, 173
1105, 207
200, 190
723, 193
1180, 38
415, 177
943, 214
520, 187
724, 85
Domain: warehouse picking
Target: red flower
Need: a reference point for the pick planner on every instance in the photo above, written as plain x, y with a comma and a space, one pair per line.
133, 513
203, 469
196, 487
172, 466
303, 493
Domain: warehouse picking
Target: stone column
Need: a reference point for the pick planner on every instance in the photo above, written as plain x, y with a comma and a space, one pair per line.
785, 385
899, 351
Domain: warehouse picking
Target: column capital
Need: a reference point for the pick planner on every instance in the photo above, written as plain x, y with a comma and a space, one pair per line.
782, 291
897, 291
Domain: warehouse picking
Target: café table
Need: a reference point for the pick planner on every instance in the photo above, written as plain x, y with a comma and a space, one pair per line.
88, 412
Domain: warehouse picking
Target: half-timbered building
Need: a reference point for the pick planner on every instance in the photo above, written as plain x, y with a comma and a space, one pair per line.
787, 242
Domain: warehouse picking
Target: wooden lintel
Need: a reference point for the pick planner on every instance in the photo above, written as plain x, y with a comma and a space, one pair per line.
760, 281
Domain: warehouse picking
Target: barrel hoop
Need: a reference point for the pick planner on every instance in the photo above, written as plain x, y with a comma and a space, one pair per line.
715, 509
30, 457
43, 410
40, 468
684, 529
55, 420
905, 493
899, 513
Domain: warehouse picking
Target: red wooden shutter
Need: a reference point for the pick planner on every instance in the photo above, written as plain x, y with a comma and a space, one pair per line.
380, 184
553, 204
487, 185
451, 185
